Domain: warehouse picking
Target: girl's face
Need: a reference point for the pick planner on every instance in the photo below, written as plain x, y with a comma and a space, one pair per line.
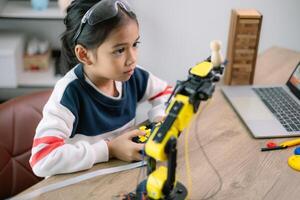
116, 58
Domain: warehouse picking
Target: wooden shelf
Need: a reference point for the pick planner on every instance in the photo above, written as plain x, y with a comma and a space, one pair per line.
23, 10
38, 78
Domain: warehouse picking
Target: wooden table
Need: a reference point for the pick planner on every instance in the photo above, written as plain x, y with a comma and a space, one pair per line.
217, 139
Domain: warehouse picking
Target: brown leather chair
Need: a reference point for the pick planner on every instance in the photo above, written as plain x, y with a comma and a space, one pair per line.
18, 120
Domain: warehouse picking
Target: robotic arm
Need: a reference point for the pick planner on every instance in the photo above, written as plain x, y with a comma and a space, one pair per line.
162, 144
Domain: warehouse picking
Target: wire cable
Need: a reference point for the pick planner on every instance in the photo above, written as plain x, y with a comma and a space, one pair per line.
198, 114
187, 160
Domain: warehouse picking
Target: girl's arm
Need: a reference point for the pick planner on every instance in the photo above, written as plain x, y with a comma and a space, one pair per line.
52, 151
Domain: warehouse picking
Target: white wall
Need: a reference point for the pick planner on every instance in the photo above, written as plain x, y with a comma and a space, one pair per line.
175, 34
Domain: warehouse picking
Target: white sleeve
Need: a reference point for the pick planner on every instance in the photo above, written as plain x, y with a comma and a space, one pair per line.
52, 154
157, 93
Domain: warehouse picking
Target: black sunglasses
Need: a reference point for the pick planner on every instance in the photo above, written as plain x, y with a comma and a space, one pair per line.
100, 12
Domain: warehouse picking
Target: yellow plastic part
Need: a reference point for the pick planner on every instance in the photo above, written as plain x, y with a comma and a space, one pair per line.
290, 143
294, 162
157, 150
201, 69
156, 182
146, 136
186, 113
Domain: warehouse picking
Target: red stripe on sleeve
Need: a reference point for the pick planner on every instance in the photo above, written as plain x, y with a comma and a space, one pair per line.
53, 143
46, 140
44, 152
166, 91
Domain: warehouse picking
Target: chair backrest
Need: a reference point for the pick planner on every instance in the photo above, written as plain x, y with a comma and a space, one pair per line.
19, 118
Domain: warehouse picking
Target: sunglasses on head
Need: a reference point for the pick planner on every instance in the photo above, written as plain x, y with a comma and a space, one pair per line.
100, 12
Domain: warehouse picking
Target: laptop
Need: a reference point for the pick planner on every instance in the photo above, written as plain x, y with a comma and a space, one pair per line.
268, 111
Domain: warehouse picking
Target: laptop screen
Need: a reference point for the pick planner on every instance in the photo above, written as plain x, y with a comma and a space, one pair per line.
294, 81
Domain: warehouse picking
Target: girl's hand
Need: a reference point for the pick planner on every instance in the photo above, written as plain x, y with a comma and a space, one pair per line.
123, 148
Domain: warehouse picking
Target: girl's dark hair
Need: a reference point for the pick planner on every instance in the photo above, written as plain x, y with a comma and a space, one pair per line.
91, 37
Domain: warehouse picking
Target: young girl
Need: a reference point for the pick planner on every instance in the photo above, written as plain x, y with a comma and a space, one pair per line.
86, 119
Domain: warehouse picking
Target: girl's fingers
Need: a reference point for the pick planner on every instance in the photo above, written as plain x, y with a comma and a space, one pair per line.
139, 147
138, 156
138, 151
135, 133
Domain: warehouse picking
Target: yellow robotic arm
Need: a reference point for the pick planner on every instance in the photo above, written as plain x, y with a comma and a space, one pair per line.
179, 112
161, 145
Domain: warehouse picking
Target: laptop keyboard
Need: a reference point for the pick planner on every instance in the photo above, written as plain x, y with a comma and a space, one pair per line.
284, 107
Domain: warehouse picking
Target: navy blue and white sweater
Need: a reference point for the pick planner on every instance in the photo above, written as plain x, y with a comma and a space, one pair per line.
78, 118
